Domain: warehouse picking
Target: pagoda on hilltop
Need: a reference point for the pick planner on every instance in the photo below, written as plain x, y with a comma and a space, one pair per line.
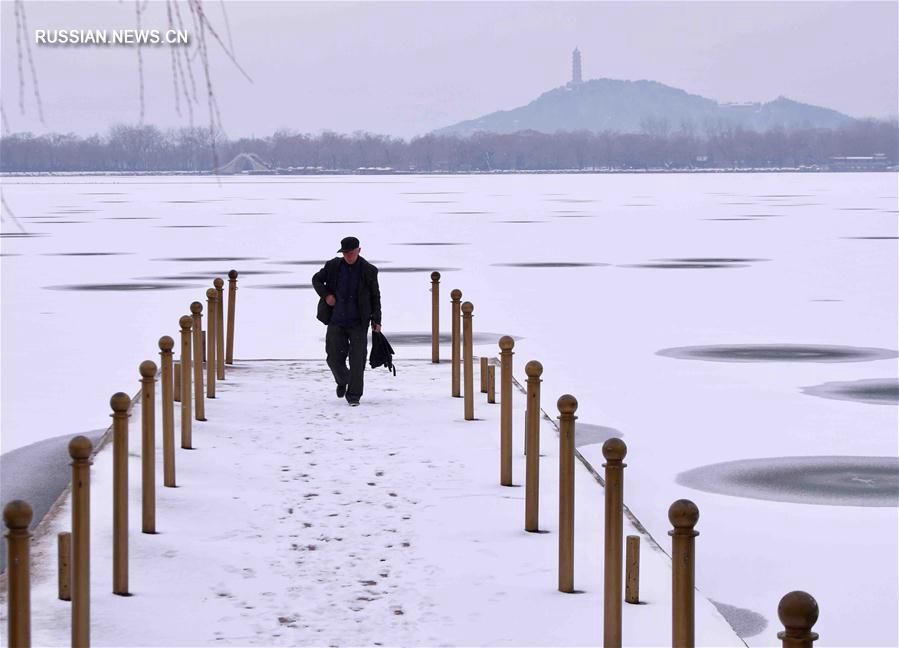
576, 78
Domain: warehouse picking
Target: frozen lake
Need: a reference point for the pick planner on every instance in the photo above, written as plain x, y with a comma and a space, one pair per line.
739, 332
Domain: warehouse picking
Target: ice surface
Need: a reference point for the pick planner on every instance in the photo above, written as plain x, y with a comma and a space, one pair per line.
596, 329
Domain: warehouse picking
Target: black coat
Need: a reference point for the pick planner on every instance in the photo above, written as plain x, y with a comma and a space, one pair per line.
369, 296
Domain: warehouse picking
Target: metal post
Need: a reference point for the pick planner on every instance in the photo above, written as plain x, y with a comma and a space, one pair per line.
211, 325
683, 515
196, 311
456, 297
491, 384
467, 359
435, 317
232, 297
484, 365
120, 402
80, 450
567, 405
506, 344
186, 431
17, 516
166, 344
148, 446
534, 370
632, 570
798, 612
614, 451
219, 284
64, 563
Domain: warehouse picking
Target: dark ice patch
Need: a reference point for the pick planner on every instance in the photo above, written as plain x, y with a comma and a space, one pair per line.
21, 234
410, 269
209, 258
463, 213
304, 199
86, 254
745, 623
684, 266
589, 434
873, 238
416, 338
549, 264
834, 481
713, 260
319, 262
778, 353
876, 391
120, 287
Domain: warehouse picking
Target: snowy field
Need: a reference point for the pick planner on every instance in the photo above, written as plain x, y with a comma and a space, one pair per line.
725, 275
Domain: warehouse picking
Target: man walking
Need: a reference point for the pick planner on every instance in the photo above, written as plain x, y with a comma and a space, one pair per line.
350, 299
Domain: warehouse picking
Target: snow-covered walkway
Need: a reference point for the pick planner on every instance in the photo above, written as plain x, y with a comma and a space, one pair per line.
301, 521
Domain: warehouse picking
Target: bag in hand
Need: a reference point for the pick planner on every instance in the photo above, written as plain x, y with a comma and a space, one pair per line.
381, 352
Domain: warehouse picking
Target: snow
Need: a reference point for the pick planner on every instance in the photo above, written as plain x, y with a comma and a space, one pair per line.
298, 520
800, 278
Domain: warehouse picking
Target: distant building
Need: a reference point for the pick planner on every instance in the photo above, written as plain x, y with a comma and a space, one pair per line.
876, 162
576, 78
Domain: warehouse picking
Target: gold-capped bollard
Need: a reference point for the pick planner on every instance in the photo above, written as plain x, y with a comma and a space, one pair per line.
196, 312
219, 284
456, 300
232, 297
484, 364
683, 515
567, 405
506, 343
166, 344
64, 563
17, 516
534, 370
467, 359
120, 403
80, 450
211, 326
186, 431
614, 450
435, 317
148, 446
798, 612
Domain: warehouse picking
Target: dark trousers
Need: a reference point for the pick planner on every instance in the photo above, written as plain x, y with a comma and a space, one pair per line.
343, 341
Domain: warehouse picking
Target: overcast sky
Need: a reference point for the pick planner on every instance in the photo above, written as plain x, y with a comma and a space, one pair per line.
405, 68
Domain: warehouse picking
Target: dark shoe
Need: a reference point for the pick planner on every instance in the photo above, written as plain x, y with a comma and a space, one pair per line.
341, 391
354, 402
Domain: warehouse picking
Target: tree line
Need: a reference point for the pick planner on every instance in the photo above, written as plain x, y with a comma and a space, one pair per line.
127, 148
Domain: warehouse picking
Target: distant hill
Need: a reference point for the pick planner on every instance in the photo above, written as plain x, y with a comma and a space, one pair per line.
643, 106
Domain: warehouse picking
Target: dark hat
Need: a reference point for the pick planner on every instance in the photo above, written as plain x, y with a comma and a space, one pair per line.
349, 243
